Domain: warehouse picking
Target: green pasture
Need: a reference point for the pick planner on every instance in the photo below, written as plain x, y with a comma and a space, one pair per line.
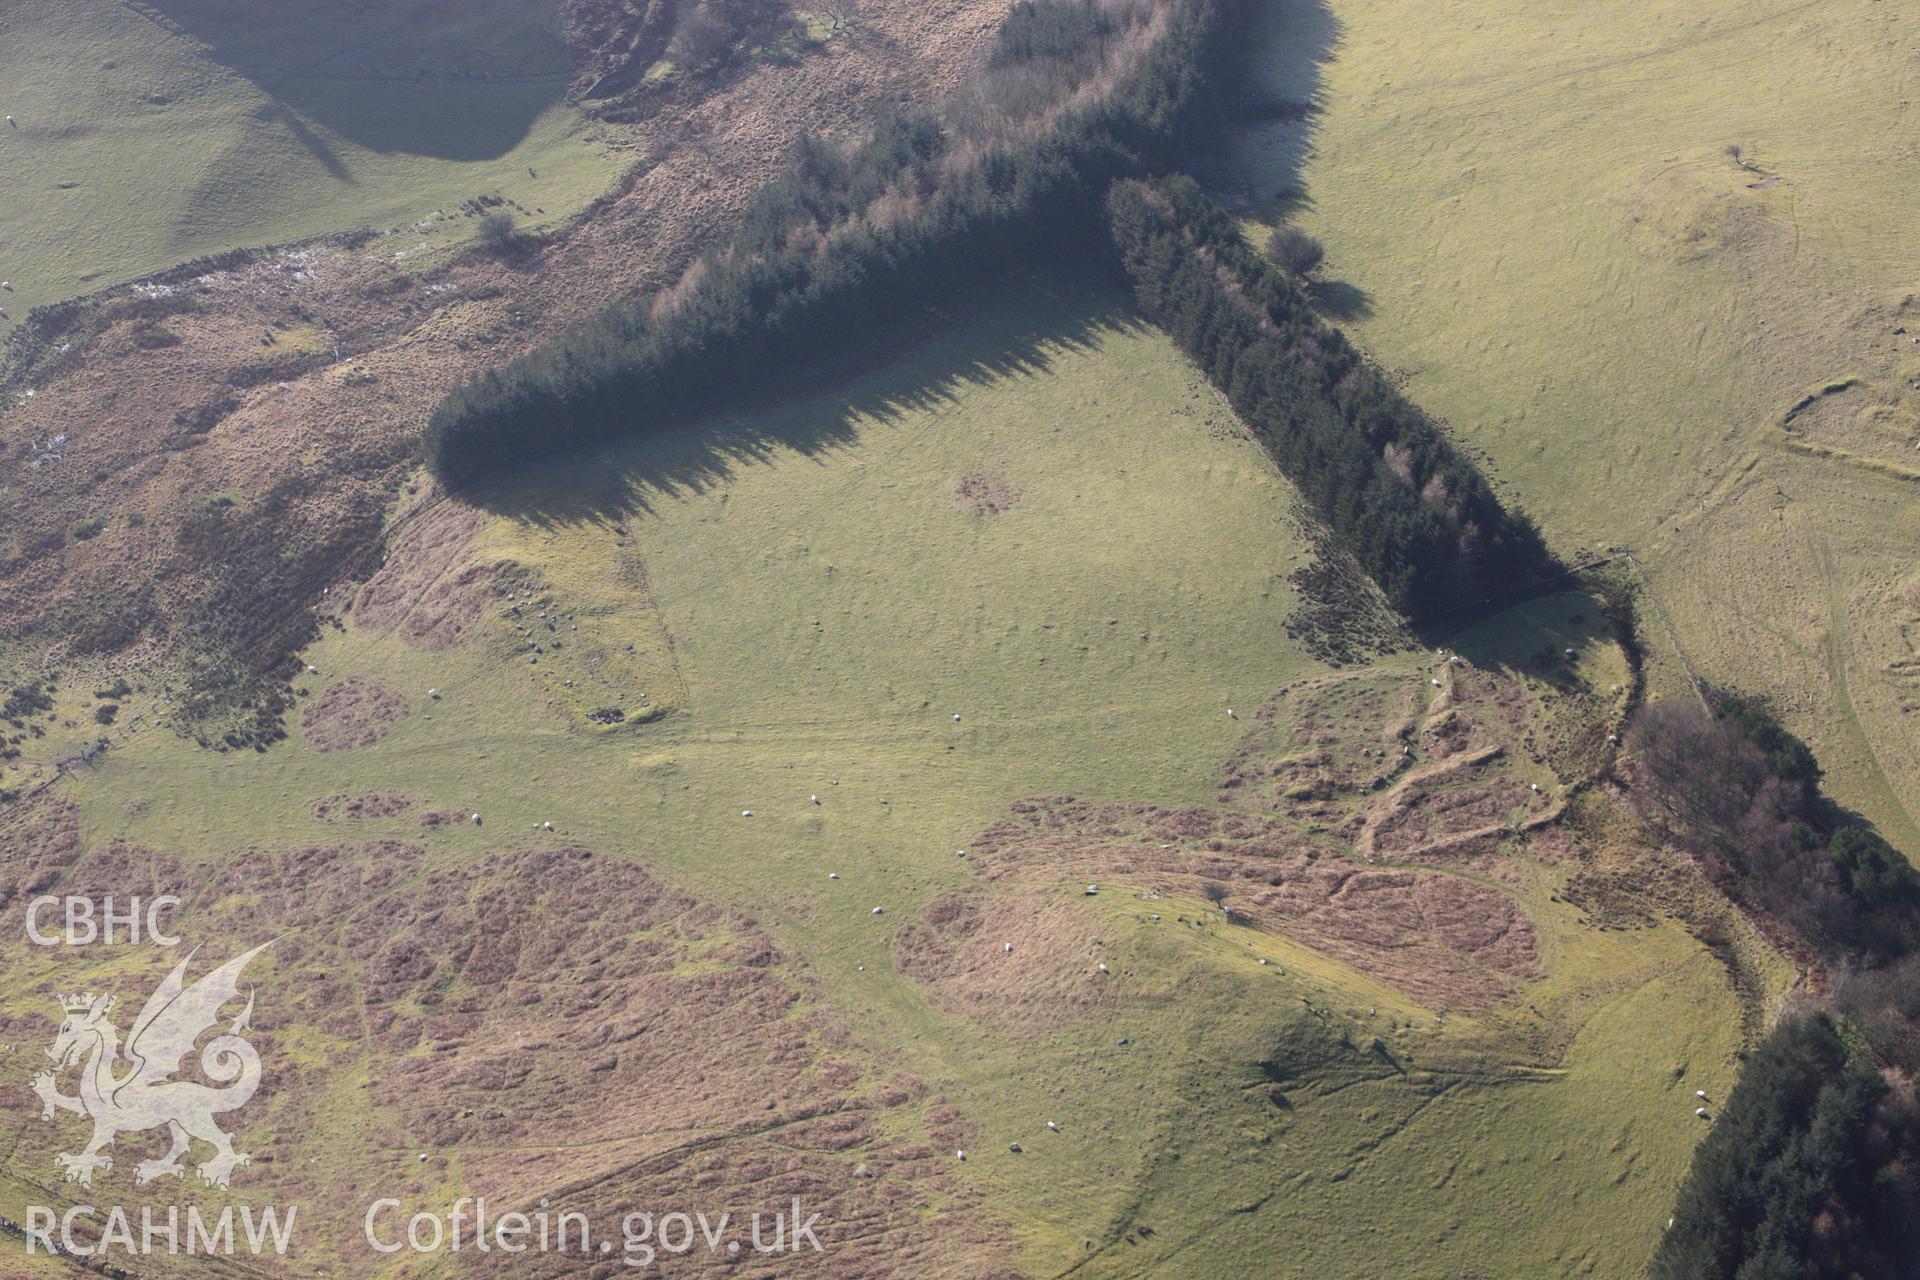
149, 133
812, 592
1614, 245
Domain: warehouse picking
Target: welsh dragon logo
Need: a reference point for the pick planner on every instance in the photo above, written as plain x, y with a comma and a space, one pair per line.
130, 1089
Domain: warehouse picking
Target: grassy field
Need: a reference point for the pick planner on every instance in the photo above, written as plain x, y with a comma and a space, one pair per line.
1616, 245
1044, 524
149, 133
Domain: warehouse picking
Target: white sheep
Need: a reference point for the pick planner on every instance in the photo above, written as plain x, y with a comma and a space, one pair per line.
476, 819
746, 813
876, 911
1701, 1112
1051, 1125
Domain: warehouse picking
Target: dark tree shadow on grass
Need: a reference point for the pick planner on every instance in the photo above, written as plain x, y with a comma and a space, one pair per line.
392, 77
1340, 300
1260, 166
878, 377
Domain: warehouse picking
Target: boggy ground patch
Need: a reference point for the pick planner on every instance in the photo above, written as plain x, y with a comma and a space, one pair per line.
354, 712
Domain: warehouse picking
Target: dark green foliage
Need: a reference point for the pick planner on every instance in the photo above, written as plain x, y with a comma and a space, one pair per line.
1808, 1172
497, 232
1744, 793
1874, 871
23, 702
1419, 517
259, 566
1790, 759
1294, 251
709, 32
105, 713
1049, 29
839, 245
1813, 1169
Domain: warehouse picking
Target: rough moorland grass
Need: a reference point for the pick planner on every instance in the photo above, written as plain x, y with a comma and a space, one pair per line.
1531, 210
822, 593
151, 134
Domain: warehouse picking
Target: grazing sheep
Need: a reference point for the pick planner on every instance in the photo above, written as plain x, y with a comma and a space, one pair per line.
1051, 1125
876, 911
476, 819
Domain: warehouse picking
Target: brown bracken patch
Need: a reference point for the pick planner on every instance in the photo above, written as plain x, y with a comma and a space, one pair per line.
419, 592
546, 1025
1444, 940
1017, 961
351, 713
374, 804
